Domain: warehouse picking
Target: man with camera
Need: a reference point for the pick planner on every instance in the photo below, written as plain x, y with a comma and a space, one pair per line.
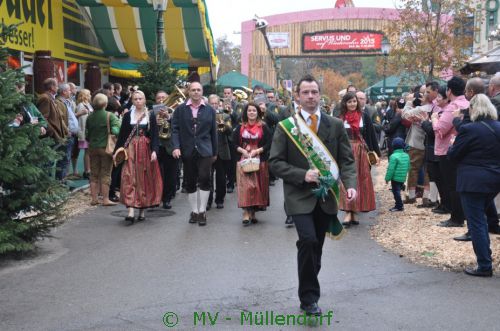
416, 110
445, 132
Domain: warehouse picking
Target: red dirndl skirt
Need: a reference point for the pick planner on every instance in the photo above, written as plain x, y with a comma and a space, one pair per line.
141, 185
253, 187
365, 200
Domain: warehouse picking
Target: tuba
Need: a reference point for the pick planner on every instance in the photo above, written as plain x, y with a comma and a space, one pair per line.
163, 118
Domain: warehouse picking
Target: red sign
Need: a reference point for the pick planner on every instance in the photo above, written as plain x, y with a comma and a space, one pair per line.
341, 41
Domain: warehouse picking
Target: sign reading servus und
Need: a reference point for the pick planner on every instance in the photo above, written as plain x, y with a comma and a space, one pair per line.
342, 41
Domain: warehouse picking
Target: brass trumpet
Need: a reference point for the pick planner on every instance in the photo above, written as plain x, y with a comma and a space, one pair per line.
175, 98
163, 121
219, 118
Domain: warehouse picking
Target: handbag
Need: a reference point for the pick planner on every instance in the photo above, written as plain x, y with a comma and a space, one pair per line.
121, 153
372, 156
250, 165
110, 145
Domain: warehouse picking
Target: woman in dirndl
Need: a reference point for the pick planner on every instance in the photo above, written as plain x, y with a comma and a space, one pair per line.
362, 135
141, 184
252, 139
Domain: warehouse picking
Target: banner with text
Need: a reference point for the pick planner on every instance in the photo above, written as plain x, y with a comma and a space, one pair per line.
342, 41
279, 39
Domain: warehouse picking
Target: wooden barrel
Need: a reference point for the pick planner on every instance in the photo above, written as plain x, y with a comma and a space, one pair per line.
43, 68
92, 77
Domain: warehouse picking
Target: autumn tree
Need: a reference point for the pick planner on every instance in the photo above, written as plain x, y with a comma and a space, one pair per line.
229, 55
331, 82
431, 36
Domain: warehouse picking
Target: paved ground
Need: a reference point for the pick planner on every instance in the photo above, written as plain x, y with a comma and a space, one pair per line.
98, 274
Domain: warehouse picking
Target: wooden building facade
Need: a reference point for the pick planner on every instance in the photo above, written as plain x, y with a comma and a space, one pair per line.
316, 33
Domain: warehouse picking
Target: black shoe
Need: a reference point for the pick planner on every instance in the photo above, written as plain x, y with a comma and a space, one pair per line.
141, 218
494, 229
465, 237
396, 209
130, 219
433, 204
219, 205
114, 198
289, 221
86, 175
193, 217
347, 225
167, 205
230, 190
312, 309
440, 210
450, 224
202, 219
254, 221
478, 273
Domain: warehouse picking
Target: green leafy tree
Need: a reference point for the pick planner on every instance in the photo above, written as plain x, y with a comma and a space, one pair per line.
156, 76
431, 38
30, 198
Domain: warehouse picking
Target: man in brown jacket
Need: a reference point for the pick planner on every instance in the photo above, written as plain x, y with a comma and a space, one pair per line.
56, 115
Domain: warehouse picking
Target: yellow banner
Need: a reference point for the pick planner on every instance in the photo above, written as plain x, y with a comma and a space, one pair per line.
41, 25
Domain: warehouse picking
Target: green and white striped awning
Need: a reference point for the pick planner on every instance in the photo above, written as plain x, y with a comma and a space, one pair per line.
127, 28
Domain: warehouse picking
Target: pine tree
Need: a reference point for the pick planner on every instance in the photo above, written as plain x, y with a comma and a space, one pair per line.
156, 76
30, 198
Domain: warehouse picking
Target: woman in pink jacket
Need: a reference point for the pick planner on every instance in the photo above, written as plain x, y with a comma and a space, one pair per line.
442, 123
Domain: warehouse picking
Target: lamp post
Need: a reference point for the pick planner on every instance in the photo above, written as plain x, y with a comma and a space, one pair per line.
386, 48
159, 6
261, 25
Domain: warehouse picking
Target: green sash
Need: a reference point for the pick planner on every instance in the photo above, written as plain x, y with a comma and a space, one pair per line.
319, 157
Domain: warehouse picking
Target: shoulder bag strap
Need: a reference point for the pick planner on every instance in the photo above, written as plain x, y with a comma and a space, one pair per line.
107, 123
134, 129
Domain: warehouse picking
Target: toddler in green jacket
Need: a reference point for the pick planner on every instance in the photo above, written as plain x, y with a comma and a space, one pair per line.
399, 165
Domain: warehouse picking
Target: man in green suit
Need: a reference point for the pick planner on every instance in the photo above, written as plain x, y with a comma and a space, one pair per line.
310, 214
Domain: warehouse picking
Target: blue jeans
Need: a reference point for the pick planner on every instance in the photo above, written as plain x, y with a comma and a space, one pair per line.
63, 162
474, 205
396, 191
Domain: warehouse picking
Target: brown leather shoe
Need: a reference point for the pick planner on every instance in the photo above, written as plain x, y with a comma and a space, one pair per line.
410, 201
193, 217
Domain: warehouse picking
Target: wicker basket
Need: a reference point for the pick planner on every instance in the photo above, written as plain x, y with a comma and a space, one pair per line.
250, 165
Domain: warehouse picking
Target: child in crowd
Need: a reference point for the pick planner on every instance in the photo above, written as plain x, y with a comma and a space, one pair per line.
399, 165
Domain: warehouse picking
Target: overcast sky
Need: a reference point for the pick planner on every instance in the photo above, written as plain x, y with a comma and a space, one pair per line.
226, 15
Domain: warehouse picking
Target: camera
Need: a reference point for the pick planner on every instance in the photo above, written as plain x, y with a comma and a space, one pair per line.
401, 103
418, 99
